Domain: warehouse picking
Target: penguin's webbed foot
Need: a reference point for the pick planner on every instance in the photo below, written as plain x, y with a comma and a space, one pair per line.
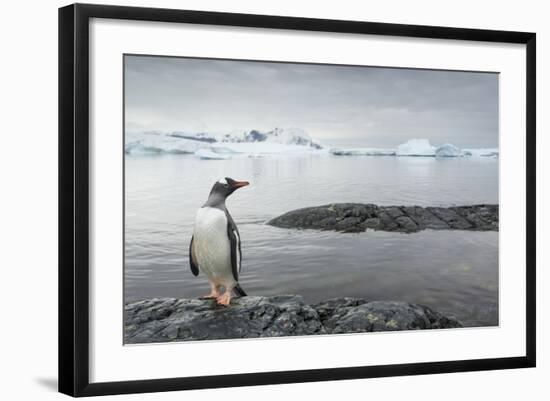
224, 299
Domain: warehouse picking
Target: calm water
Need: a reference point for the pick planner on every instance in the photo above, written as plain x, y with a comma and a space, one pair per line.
455, 272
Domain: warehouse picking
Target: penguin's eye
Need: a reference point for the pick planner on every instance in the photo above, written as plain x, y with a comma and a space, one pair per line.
225, 185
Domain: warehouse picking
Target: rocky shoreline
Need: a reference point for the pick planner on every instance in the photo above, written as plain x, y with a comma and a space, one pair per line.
171, 319
358, 217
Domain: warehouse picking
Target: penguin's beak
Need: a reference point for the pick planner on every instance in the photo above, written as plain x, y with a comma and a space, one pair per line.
239, 184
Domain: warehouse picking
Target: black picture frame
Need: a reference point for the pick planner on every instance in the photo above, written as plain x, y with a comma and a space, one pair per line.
74, 198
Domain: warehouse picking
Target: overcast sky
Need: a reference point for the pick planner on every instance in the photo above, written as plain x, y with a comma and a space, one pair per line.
336, 105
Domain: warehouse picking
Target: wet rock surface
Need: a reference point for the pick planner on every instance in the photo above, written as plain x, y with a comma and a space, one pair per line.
352, 315
358, 217
170, 319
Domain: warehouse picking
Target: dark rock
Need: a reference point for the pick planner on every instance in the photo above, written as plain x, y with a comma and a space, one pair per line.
357, 217
386, 222
161, 320
406, 224
371, 222
349, 223
451, 217
484, 216
169, 319
326, 308
393, 211
353, 316
424, 218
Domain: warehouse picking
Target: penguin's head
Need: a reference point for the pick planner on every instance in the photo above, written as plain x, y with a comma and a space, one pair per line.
226, 186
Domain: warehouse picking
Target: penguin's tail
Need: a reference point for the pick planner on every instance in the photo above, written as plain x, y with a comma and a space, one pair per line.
239, 290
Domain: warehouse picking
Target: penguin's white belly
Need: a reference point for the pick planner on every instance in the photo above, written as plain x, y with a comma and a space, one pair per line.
212, 246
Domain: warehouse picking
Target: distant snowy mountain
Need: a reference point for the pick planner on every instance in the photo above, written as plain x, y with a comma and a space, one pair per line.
282, 136
278, 140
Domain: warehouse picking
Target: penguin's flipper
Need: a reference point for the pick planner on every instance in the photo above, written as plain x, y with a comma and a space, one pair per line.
235, 245
193, 260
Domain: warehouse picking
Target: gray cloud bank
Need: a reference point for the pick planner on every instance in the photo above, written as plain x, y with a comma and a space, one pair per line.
337, 105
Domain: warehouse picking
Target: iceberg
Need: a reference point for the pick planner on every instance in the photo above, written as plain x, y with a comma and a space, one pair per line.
281, 136
448, 150
362, 152
208, 146
416, 147
156, 143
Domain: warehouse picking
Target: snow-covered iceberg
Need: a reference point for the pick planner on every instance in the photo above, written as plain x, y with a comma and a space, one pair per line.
208, 146
448, 150
362, 152
281, 136
157, 142
416, 147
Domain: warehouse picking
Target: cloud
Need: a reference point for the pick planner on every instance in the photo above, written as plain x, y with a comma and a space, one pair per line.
346, 105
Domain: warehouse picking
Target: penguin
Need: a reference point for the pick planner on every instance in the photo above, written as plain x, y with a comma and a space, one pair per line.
215, 247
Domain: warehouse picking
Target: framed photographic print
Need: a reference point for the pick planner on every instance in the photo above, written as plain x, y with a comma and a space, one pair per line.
251, 199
